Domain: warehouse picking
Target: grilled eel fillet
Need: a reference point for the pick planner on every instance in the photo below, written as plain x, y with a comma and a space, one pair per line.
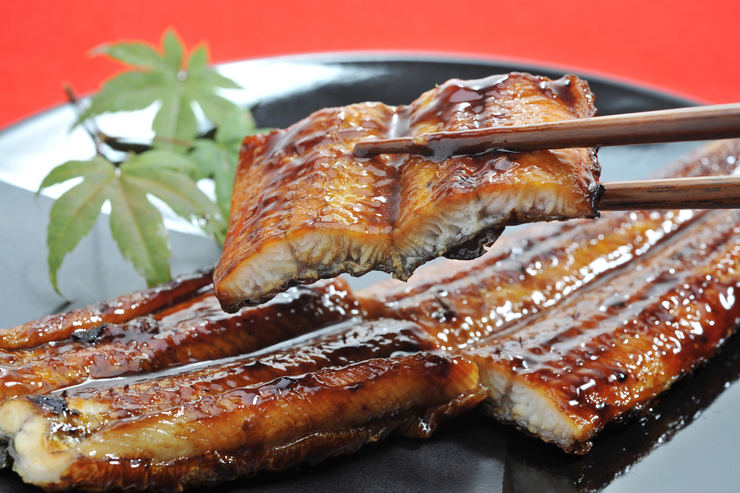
609, 352
594, 323
526, 274
266, 412
304, 207
196, 329
716, 162
119, 310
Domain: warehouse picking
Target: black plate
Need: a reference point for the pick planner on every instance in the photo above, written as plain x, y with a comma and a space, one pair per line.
689, 442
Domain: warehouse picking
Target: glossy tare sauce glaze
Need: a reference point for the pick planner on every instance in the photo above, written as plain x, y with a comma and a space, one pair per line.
338, 345
237, 429
464, 105
194, 330
621, 343
526, 274
119, 310
305, 207
623, 329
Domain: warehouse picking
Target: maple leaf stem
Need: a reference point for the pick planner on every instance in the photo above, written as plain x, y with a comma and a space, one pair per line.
91, 127
175, 112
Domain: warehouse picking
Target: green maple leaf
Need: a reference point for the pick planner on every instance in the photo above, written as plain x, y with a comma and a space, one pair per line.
170, 78
217, 159
137, 225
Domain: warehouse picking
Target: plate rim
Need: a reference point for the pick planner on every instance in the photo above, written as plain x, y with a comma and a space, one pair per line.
431, 57
379, 57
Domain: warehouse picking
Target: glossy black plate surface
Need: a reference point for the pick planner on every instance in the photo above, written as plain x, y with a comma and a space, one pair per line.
689, 443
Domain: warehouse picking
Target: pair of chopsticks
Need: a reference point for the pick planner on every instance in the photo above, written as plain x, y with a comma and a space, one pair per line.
677, 125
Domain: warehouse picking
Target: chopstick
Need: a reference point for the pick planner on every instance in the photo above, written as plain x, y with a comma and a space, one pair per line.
675, 125
708, 192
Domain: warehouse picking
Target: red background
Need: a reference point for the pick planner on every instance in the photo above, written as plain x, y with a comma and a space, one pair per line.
689, 48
